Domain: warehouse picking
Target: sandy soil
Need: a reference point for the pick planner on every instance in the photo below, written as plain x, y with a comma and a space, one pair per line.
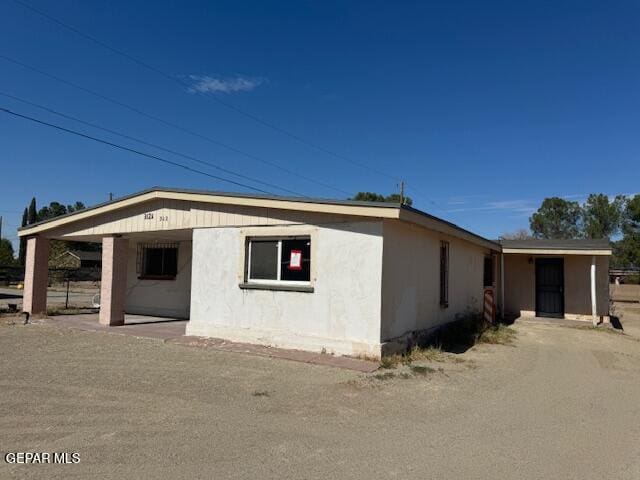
560, 403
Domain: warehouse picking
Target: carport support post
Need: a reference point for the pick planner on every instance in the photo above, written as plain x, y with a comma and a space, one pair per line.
36, 272
502, 285
113, 287
594, 302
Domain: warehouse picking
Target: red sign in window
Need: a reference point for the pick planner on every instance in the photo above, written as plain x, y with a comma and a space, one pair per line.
295, 261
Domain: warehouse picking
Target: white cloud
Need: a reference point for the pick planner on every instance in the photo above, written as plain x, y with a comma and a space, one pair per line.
204, 84
525, 207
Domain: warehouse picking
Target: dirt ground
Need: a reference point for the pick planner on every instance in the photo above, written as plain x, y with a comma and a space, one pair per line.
559, 403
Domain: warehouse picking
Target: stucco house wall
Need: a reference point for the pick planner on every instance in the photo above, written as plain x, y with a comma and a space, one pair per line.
520, 285
577, 283
341, 315
163, 298
411, 279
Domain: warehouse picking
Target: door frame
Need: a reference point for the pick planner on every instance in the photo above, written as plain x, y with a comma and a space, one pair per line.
560, 261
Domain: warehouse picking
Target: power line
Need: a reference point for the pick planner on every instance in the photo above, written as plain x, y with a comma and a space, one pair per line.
170, 124
131, 150
208, 95
149, 144
218, 99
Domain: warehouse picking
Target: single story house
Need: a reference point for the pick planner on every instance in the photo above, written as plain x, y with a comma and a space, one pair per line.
77, 259
345, 277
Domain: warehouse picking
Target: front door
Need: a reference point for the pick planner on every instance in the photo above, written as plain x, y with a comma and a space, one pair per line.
550, 287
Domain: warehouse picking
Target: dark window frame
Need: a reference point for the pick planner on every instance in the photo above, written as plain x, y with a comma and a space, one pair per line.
279, 261
444, 273
168, 271
488, 274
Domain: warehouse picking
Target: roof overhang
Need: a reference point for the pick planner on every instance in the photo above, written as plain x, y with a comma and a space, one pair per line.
556, 251
352, 208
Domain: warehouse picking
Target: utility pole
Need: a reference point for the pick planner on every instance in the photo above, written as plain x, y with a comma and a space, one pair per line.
110, 196
0, 227
401, 192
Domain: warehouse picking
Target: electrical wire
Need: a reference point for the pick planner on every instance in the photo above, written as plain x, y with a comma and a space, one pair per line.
149, 144
131, 150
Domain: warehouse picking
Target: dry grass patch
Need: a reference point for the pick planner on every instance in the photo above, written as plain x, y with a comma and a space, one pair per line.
497, 335
432, 354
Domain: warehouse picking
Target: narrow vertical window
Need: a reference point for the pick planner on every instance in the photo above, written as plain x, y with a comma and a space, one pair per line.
488, 271
444, 274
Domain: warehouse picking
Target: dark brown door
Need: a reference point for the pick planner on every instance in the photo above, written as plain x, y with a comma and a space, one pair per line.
550, 287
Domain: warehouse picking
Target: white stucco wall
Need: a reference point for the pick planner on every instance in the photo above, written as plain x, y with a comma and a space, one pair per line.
341, 315
163, 298
411, 279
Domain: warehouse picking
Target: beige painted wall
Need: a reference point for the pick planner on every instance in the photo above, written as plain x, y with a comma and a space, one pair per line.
164, 298
164, 215
520, 284
411, 279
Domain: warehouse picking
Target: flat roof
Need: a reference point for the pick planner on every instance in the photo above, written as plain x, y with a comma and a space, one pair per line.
319, 205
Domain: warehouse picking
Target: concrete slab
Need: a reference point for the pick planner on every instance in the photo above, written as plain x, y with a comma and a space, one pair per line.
135, 325
560, 321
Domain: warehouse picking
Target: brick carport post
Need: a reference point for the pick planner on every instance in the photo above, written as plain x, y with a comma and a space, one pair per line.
113, 287
36, 275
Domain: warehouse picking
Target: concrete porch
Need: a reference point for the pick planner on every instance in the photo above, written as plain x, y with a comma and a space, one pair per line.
135, 325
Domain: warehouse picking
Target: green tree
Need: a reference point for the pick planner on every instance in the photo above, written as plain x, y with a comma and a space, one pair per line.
22, 252
75, 207
54, 209
6, 253
556, 218
631, 215
368, 197
377, 197
601, 218
32, 212
395, 198
626, 252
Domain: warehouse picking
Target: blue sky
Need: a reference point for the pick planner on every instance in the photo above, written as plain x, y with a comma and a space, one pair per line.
484, 108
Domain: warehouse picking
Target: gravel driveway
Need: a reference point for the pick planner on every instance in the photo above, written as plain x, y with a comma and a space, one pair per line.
560, 403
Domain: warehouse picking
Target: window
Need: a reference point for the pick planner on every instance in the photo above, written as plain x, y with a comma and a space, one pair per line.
488, 271
284, 260
444, 274
158, 261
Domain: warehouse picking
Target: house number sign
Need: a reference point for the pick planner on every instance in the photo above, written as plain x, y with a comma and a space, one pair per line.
161, 218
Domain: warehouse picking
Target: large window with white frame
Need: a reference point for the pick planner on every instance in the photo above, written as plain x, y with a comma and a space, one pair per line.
285, 260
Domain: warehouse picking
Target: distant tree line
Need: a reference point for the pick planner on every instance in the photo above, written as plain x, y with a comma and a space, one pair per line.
378, 197
33, 215
599, 216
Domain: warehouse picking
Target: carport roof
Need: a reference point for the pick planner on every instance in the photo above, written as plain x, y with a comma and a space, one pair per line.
581, 246
318, 205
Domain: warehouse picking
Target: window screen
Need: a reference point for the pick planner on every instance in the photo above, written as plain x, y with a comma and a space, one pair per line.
488, 271
295, 260
263, 260
158, 261
444, 274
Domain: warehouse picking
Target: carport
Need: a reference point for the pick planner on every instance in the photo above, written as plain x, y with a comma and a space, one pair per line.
556, 278
146, 260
